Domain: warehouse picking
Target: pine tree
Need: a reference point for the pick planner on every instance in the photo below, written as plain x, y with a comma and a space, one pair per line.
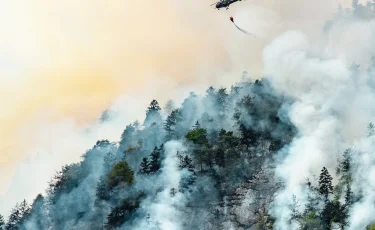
242, 111
334, 212
221, 102
311, 205
102, 190
198, 136
169, 106
14, 218
19, 214
370, 129
170, 124
121, 173
294, 209
154, 106
345, 164
185, 162
186, 182
210, 92
2, 222
25, 209
348, 196
37, 212
197, 125
173, 192
325, 183
145, 166
127, 137
155, 162
152, 113
109, 160
188, 163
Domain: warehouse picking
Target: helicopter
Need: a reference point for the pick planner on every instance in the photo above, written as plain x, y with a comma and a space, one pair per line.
224, 3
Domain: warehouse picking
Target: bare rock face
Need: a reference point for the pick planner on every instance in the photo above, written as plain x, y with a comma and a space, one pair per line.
246, 207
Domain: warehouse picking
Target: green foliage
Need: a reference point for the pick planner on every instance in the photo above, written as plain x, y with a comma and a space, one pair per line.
265, 223
325, 183
312, 203
370, 227
170, 124
226, 149
19, 214
230, 162
121, 173
152, 164
311, 221
65, 180
345, 164
156, 159
152, 113
185, 162
186, 182
2, 222
334, 212
123, 212
198, 136
154, 106
145, 166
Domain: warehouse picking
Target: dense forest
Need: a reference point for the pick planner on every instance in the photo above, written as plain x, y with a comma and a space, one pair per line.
193, 169
208, 163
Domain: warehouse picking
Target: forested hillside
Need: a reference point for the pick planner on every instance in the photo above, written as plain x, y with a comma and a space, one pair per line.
233, 158
209, 164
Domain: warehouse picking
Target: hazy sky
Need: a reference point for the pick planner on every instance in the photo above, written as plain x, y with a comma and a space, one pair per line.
63, 62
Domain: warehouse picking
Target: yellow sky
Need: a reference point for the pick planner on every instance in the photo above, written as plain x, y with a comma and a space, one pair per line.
72, 58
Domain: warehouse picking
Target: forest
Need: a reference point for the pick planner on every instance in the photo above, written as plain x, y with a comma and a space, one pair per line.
210, 162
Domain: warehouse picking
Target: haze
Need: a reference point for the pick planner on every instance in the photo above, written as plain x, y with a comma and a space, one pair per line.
62, 63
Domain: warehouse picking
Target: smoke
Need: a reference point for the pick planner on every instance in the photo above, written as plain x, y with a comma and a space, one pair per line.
64, 63
165, 211
331, 110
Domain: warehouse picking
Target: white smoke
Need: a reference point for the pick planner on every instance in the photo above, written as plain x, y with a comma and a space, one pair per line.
164, 213
331, 111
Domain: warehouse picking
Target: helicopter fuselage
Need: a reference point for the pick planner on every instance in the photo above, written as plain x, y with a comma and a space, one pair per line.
225, 3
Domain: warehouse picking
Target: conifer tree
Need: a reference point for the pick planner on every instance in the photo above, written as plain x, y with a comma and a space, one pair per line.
325, 183
121, 173
102, 190
221, 102
370, 129
145, 166
20, 213
348, 196
2, 222
154, 106
152, 113
197, 125
155, 162
170, 124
